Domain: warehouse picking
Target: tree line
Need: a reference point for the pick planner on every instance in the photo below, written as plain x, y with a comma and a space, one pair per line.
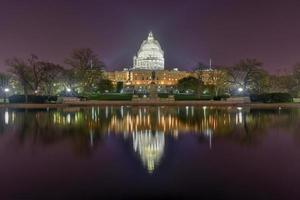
246, 77
82, 74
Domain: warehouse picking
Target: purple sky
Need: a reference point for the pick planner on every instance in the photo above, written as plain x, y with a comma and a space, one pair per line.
189, 30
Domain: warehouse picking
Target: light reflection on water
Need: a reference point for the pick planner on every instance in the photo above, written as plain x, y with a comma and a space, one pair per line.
150, 147
146, 126
145, 130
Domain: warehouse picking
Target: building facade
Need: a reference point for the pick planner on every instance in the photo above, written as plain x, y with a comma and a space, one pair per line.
149, 67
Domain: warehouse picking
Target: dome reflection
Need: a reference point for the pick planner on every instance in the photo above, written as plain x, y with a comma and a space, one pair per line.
150, 147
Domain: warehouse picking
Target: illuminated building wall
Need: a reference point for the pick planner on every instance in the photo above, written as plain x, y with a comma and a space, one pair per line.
137, 78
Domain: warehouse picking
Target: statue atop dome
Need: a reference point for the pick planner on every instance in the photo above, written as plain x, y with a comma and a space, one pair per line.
150, 55
150, 36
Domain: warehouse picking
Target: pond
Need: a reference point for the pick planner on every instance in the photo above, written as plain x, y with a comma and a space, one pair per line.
133, 152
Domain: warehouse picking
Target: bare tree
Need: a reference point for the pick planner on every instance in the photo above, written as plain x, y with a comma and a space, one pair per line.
22, 73
219, 78
284, 83
296, 75
37, 72
86, 70
83, 59
247, 74
50, 74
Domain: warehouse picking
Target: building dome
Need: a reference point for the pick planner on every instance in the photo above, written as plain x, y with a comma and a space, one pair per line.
150, 55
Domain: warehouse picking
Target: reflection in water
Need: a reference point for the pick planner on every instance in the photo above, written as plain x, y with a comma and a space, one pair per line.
150, 147
146, 127
6, 117
239, 116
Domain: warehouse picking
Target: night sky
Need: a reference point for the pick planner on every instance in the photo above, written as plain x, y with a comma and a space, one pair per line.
189, 31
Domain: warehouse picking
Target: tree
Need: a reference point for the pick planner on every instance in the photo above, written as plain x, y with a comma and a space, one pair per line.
247, 74
51, 73
119, 86
190, 83
37, 71
86, 69
90, 79
296, 76
22, 73
283, 83
262, 84
69, 79
83, 59
220, 81
105, 85
33, 74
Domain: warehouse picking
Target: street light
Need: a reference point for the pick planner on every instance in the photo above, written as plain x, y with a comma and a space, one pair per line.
68, 89
240, 89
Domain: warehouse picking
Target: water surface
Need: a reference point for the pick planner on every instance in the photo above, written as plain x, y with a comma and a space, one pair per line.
117, 152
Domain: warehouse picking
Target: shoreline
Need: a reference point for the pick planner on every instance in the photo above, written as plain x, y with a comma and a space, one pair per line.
152, 103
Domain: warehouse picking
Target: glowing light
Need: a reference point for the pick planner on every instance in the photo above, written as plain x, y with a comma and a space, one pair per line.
239, 116
68, 89
68, 118
240, 89
187, 110
6, 117
106, 112
122, 111
6, 89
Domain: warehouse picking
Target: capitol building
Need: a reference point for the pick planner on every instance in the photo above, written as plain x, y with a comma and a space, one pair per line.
149, 67
150, 55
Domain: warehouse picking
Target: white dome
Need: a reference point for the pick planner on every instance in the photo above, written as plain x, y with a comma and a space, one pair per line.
150, 55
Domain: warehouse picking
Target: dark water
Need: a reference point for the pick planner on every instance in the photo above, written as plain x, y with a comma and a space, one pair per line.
132, 152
